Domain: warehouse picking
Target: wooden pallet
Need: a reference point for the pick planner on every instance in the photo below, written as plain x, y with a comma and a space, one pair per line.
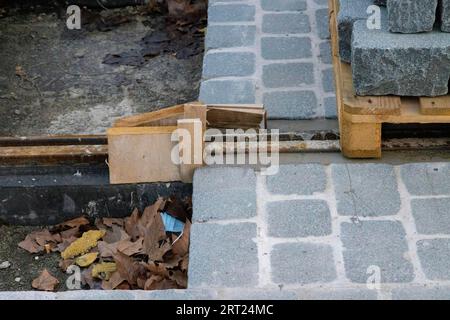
361, 118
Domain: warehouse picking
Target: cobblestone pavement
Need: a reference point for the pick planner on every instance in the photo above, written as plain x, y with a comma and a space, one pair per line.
323, 232
271, 52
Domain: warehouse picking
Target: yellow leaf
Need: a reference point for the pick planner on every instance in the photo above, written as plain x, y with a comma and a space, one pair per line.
87, 259
82, 245
103, 270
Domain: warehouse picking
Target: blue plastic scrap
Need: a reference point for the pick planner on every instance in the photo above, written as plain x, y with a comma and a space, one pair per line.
172, 224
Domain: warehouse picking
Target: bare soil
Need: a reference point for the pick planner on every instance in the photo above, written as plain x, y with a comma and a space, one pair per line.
24, 265
54, 80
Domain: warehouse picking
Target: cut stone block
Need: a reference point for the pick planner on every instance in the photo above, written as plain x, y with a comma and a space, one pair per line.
411, 16
444, 10
350, 11
381, 244
385, 63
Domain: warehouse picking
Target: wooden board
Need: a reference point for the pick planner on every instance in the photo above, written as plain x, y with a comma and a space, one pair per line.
435, 106
164, 117
53, 154
141, 154
361, 118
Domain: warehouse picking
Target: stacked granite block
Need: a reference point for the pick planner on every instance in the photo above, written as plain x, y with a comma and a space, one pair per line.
444, 13
408, 56
411, 16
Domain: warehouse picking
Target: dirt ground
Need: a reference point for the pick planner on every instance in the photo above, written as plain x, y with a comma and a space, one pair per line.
54, 80
24, 265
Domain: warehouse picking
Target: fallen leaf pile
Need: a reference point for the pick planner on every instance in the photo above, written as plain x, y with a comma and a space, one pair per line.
114, 253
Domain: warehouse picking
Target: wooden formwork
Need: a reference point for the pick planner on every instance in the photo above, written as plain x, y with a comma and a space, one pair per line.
141, 147
361, 118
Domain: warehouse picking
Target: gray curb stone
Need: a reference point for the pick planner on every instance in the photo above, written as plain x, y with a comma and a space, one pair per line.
227, 64
358, 192
258, 294
283, 23
283, 5
434, 257
376, 243
432, 216
281, 75
422, 293
231, 13
299, 218
323, 29
223, 255
338, 294
304, 180
230, 36
224, 193
302, 263
290, 104
423, 179
218, 91
277, 48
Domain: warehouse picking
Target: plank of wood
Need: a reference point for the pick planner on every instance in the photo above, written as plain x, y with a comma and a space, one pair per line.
142, 154
238, 106
241, 118
52, 154
163, 117
196, 111
411, 113
435, 106
55, 140
191, 147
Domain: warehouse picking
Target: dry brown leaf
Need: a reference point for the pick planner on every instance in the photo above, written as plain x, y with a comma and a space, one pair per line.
131, 224
42, 237
20, 72
130, 248
123, 286
177, 209
151, 211
125, 246
114, 281
181, 246
109, 222
69, 233
157, 269
159, 283
184, 263
116, 233
155, 232
65, 243
45, 282
172, 261
178, 8
179, 277
64, 264
86, 277
87, 259
77, 222
30, 245
129, 269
